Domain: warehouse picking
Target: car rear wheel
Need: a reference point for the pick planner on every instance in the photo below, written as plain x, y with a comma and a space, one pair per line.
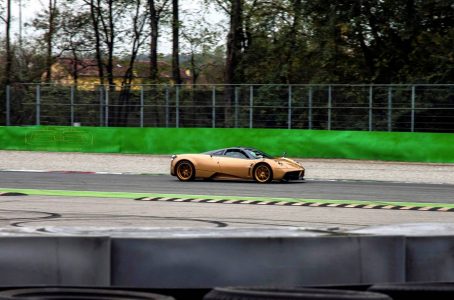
263, 173
185, 170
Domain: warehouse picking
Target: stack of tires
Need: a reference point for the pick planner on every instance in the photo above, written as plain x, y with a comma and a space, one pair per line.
404, 291
297, 293
46, 293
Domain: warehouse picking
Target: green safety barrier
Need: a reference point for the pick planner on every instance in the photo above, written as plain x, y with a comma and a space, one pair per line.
392, 146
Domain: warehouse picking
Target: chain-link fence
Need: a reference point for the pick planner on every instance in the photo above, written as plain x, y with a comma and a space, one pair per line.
421, 108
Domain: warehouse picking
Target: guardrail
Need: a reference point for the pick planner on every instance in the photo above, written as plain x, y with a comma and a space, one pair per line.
408, 107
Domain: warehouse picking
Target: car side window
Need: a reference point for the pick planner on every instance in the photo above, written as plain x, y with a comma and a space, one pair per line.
235, 154
218, 153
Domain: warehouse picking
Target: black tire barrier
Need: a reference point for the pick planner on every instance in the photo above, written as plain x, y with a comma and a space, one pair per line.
12, 194
78, 293
350, 287
416, 290
239, 293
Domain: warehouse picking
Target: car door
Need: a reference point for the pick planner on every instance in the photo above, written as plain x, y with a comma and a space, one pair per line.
235, 163
208, 165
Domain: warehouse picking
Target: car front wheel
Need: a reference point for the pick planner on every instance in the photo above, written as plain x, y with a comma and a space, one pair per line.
263, 173
185, 170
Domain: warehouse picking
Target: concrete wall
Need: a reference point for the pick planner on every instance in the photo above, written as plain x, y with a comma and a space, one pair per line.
54, 260
170, 261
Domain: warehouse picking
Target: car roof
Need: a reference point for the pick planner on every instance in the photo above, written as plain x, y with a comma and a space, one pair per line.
231, 148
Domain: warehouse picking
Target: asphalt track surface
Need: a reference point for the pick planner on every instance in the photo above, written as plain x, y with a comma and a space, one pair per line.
165, 184
72, 214
63, 212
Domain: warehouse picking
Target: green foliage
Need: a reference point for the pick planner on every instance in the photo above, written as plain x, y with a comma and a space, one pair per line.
280, 41
391, 41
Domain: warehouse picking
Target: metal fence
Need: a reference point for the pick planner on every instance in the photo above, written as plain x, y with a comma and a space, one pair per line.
422, 108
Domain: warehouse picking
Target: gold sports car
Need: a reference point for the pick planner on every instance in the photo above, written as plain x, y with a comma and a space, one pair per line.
235, 163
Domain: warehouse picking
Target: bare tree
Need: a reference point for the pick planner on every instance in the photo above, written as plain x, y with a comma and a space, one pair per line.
108, 29
175, 43
9, 55
75, 37
235, 43
52, 14
235, 40
138, 24
156, 10
46, 21
199, 40
95, 20
104, 15
139, 18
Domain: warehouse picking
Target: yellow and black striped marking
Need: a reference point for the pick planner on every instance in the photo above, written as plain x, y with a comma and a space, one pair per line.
302, 203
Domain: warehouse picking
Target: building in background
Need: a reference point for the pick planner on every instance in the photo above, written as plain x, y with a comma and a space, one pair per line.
84, 73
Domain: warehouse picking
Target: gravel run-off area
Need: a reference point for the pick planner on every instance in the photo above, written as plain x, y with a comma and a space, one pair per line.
316, 169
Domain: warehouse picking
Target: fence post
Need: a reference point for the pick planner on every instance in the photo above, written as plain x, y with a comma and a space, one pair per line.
371, 95
72, 105
213, 107
8, 105
289, 114
167, 106
38, 104
177, 106
101, 105
309, 104
236, 106
390, 108
141, 105
329, 106
106, 112
251, 106
413, 106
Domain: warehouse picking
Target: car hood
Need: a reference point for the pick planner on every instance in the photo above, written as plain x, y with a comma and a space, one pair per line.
288, 163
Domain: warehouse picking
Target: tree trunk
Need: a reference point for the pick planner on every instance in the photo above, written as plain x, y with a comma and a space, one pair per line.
75, 67
110, 35
9, 56
369, 59
234, 43
124, 100
154, 24
108, 32
49, 39
94, 13
234, 51
194, 71
293, 36
175, 43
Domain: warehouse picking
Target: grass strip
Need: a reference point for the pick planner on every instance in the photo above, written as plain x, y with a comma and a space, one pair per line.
95, 194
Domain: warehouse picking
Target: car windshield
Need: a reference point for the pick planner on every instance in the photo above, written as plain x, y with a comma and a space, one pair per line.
258, 154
